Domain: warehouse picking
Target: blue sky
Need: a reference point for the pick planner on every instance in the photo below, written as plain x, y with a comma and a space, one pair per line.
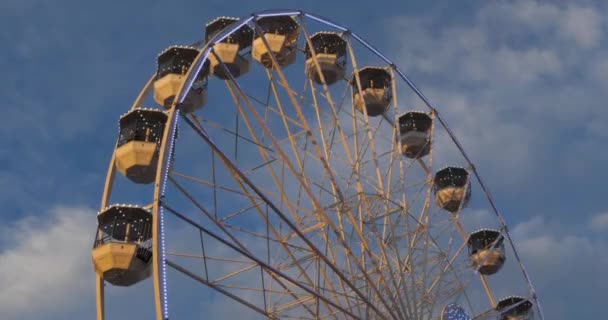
523, 84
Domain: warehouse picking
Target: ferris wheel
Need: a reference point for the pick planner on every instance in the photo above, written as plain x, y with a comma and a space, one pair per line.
285, 166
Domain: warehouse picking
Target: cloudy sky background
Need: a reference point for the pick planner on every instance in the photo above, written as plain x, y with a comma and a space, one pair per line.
522, 83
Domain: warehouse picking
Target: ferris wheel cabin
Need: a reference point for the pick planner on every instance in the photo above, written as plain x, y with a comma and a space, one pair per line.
229, 50
141, 132
515, 308
122, 251
330, 51
452, 188
486, 251
172, 65
281, 34
415, 134
376, 93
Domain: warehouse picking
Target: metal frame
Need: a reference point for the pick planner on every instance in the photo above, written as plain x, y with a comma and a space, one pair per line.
341, 304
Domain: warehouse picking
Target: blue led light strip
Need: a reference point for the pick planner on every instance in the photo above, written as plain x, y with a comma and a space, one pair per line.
163, 266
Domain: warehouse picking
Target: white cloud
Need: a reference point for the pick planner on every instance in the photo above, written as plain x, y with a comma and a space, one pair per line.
563, 259
45, 263
525, 66
543, 243
509, 80
599, 222
575, 24
533, 14
582, 25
